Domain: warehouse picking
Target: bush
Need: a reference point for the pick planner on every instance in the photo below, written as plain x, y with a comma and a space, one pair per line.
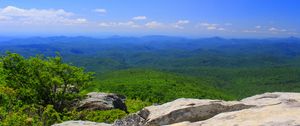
136, 105
27, 115
44, 81
50, 116
108, 116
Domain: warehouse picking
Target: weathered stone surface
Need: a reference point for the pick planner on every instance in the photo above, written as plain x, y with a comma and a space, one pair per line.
81, 123
272, 109
269, 109
103, 101
180, 110
137, 119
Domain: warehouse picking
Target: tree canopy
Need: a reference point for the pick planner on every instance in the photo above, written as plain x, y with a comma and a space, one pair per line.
43, 80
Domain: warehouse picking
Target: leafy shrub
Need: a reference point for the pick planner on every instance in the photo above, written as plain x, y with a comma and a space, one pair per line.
27, 115
44, 81
134, 105
50, 116
108, 116
7, 96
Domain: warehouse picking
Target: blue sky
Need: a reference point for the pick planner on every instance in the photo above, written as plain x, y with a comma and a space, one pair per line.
190, 18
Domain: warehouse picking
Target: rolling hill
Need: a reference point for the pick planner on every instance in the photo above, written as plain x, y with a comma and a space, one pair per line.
155, 86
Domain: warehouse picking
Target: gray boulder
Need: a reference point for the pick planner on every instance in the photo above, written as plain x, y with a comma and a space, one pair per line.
178, 111
271, 109
103, 101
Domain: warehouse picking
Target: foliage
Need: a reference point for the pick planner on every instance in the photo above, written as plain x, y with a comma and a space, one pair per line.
7, 97
26, 115
35, 91
32, 88
154, 86
146, 70
134, 105
108, 116
44, 81
50, 116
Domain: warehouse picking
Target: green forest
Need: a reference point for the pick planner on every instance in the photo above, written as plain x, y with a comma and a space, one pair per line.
41, 78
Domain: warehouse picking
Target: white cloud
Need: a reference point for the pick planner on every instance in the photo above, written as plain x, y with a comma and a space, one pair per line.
250, 31
266, 30
106, 24
139, 18
293, 33
273, 29
210, 26
128, 24
81, 20
153, 24
18, 16
3, 18
119, 24
19, 12
101, 10
258, 27
180, 24
221, 29
183, 22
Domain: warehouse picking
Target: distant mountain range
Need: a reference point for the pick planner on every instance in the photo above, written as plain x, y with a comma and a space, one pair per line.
160, 51
160, 38
240, 66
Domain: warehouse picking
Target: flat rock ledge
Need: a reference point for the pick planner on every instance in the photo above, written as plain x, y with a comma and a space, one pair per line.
271, 109
268, 109
180, 110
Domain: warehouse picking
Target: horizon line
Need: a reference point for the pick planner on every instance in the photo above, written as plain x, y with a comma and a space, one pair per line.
130, 36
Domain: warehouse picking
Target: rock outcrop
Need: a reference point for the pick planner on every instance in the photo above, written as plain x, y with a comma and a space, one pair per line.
269, 109
103, 101
180, 110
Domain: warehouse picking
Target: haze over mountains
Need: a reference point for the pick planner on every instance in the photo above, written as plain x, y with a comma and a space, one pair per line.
258, 65
157, 50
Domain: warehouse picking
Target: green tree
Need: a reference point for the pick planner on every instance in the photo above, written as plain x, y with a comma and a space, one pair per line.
44, 81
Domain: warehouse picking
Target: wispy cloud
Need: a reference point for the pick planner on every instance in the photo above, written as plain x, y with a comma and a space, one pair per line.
119, 24
180, 24
18, 16
139, 18
100, 10
293, 33
210, 26
81, 20
273, 29
258, 27
14, 17
3, 18
153, 24
250, 31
